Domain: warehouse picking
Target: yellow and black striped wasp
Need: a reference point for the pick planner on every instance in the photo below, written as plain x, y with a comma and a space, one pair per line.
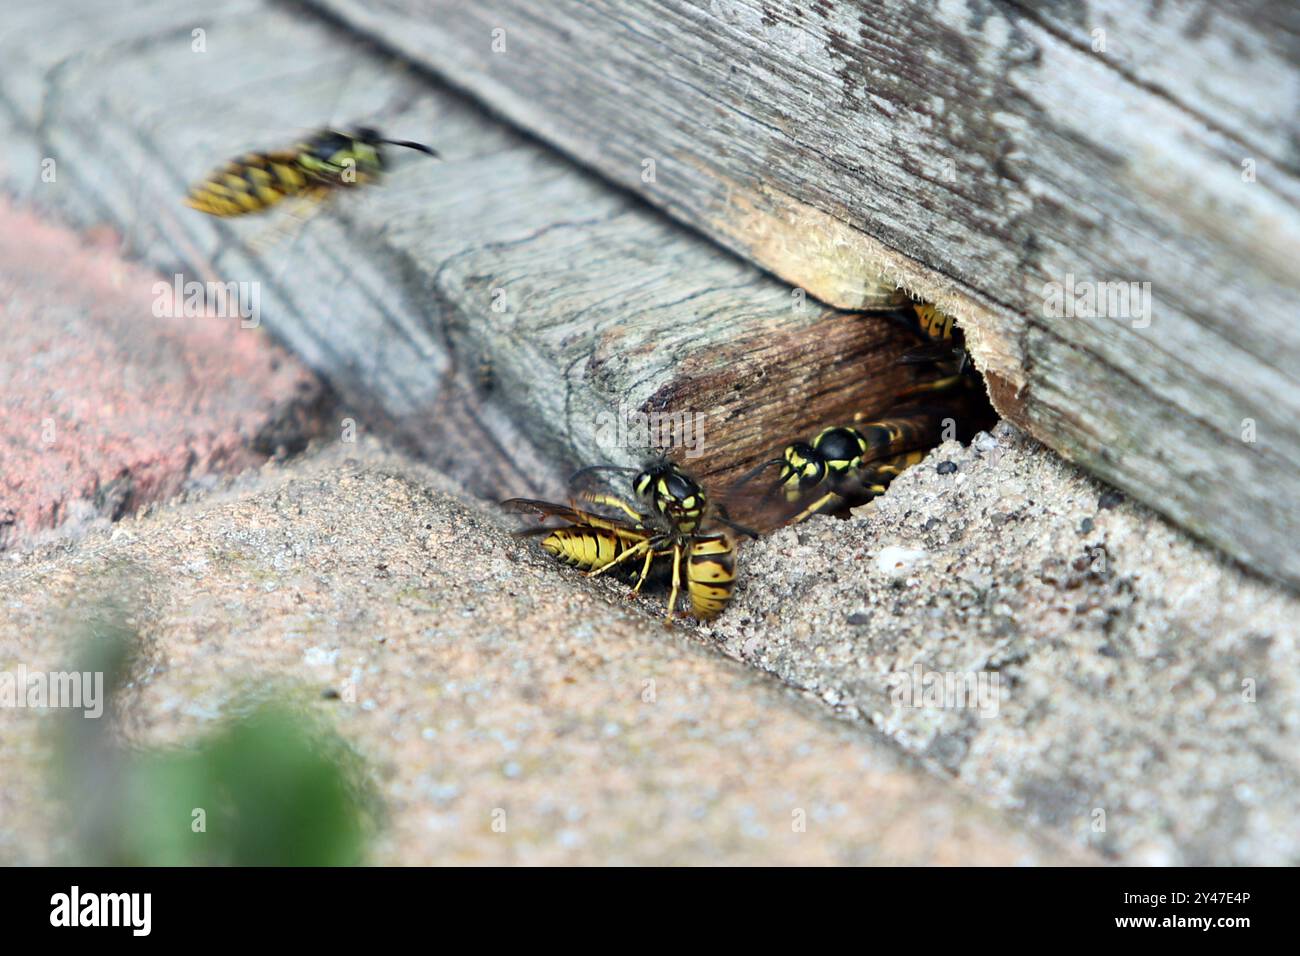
327, 161
945, 349
664, 520
847, 465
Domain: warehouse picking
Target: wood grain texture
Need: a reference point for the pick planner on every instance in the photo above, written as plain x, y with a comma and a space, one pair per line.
500, 310
975, 152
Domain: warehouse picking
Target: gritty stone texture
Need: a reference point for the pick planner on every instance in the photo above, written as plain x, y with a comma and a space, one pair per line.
104, 406
1141, 676
474, 675
1145, 710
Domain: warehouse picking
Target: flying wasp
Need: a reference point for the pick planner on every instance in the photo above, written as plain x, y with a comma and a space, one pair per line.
662, 521
328, 160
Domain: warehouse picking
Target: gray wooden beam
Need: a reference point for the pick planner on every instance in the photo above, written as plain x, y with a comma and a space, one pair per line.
980, 154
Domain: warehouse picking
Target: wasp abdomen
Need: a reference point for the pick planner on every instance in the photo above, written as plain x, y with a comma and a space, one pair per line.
710, 574
584, 547
251, 183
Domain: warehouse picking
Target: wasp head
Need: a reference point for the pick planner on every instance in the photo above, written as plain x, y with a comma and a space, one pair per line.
802, 467
673, 493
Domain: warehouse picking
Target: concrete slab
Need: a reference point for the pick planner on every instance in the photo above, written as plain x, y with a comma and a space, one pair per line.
481, 683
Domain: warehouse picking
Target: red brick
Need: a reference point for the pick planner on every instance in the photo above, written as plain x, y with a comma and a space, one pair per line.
105, 407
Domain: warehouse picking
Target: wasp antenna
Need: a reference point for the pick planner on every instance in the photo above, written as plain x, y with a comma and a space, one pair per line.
420, 147
749, 476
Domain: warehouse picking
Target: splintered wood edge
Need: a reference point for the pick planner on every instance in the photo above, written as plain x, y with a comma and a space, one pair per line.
847, 268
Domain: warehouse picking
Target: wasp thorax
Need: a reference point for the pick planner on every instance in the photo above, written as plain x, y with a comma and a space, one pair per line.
840, 447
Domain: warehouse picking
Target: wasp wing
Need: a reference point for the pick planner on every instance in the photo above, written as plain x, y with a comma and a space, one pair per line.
542, 510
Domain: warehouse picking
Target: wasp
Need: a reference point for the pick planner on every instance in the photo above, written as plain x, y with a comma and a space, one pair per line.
850, 464
845, 465
945, 349
935, 325
328, 160
663, 520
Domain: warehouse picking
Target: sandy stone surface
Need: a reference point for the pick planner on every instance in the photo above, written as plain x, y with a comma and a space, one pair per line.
1145, 685
475, 677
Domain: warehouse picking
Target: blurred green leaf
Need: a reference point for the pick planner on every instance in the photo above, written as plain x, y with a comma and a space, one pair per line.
269, 788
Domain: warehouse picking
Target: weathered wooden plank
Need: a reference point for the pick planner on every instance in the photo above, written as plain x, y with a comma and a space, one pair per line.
981, 154
586, 305
1231, 63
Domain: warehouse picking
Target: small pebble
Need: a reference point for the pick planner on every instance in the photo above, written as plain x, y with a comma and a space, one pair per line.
895, 561
946, 467
859, 619
1085, 525
1110, 498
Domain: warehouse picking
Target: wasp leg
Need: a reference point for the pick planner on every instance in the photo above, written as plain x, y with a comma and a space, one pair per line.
938, 385
826, 499
677, 577
645, 570
629, 553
